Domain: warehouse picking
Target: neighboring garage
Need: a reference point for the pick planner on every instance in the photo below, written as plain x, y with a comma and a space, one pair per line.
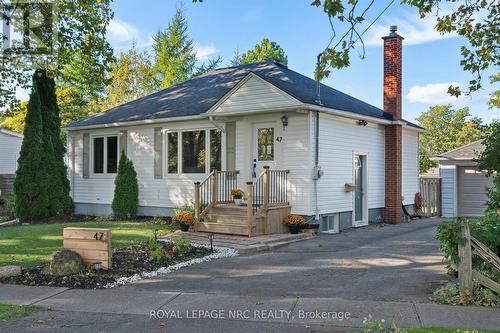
463, 185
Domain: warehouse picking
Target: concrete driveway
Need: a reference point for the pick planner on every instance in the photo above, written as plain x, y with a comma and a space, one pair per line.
390, 263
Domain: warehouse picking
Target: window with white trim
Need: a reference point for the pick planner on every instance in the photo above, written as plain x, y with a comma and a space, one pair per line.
193, 152
105, 154
172, 152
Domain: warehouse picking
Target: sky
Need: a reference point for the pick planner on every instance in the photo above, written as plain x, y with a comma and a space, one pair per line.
220, 27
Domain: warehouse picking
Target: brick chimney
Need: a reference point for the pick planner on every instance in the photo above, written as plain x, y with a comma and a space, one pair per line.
393, 45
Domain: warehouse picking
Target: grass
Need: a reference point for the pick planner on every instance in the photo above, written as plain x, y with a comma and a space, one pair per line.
447, 330
33, 245
10, 311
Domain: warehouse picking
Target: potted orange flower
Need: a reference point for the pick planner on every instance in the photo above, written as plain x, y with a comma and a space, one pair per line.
185, 219
237, 195
294, 222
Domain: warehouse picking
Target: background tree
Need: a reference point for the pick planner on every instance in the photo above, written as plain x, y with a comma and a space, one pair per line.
15, 119
131, 78
126, 196
60, 202
265, 51
80, 27
490, 161
175, 56
30, 186
447, 129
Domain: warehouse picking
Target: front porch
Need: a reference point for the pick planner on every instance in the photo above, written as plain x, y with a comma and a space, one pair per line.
262, 211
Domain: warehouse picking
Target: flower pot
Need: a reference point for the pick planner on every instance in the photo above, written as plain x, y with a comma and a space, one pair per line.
237, 201
184, 227
294, 228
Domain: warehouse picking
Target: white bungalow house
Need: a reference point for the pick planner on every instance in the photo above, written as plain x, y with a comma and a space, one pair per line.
10, 146
331, 157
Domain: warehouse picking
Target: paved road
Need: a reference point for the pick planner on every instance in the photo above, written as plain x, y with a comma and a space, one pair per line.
391, 263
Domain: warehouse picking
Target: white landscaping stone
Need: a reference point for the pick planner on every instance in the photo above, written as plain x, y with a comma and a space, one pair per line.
8, 271
219, 252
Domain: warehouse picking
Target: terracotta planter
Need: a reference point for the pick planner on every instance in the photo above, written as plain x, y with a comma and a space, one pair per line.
294, 228
184, 227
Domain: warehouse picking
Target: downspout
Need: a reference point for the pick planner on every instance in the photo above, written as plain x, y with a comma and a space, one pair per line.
317, 172
317, 169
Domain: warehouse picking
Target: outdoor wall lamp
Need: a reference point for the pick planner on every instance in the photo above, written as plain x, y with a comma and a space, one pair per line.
362, 122
284, 121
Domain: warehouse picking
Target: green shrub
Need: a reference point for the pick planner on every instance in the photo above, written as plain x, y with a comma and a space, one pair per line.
188, 207
126, 196
9, 204
450, 294
157, 252
181, 245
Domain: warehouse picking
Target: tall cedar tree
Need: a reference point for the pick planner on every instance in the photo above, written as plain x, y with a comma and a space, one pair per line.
60, 202
126, 196
31, 185
175, 57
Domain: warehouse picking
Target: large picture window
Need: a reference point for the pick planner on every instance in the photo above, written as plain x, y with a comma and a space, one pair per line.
215, 150
173, 152
105, 154
265, 144
193, 152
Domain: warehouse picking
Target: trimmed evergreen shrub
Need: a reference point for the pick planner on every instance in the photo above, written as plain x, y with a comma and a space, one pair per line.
60, 202
126, 196
30, 185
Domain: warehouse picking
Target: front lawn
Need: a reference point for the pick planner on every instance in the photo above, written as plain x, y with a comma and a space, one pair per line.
33, 245
447, 330
10, 311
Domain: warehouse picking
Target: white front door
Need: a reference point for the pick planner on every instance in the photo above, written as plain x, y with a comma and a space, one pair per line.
360, 213
264, 147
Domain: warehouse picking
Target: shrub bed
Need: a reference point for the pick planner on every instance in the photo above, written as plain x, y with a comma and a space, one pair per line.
134, 259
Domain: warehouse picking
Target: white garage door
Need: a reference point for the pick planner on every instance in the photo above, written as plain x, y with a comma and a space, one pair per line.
472, 186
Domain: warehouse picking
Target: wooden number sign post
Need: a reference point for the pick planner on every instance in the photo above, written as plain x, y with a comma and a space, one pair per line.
92, 244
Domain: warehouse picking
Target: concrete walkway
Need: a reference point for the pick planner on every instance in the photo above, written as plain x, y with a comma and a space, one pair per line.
167, 307
243, 244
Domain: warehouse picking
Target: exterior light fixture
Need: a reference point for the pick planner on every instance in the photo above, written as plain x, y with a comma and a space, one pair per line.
211, 238
362, 122
284, 121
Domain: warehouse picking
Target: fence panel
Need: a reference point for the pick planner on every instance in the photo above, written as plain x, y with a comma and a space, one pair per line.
431, 196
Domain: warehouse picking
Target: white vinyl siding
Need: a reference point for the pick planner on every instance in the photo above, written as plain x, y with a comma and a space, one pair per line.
292, 153
10, 146
170, 191
410, 166
448, 176
256, 94
340, 138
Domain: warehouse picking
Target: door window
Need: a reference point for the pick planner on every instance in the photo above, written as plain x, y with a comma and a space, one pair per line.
265, 144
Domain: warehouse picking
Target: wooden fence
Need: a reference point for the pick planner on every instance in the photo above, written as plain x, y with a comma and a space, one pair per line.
465, 271
431, 196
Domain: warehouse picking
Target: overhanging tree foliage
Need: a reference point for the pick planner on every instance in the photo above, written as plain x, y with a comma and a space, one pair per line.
30, 185
490, 161
126, 196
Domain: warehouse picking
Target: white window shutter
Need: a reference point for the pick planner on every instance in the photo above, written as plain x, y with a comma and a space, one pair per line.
85, 155
158, 152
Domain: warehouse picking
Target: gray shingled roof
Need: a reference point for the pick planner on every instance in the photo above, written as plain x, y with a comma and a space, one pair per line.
197, 96
469, 151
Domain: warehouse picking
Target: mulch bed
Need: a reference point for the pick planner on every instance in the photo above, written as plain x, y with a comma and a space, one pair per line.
126, 262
